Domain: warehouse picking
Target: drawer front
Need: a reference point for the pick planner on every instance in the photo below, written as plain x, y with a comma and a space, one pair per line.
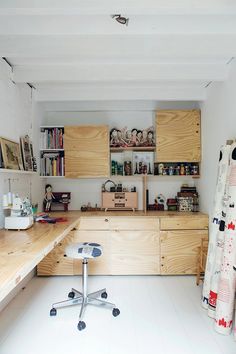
134, 223
55, 263
179, 250
94, 223
135, 252
184, 223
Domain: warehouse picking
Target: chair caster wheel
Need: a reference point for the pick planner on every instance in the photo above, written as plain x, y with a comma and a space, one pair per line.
115, 312
104, 295
71, 294
81, 325
53, 312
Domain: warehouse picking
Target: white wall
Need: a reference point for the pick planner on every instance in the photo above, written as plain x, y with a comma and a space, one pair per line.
218, 125
89, 190
16, 119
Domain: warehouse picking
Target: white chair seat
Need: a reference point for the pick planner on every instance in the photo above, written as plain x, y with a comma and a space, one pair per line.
83, 250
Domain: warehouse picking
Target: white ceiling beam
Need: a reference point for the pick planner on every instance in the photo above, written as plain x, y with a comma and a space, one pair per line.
97, 47
142, 24
46, 7
120, 72
83, 93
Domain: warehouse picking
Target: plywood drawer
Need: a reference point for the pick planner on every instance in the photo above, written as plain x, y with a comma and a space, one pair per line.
179, 250
94, 223
135, 252
134, 223
184, 223
55, 263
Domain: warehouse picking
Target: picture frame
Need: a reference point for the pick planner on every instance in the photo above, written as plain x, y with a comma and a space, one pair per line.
11, 155
34, 163
26, 153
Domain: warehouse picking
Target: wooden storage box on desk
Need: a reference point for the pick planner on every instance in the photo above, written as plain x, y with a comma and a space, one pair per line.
120, 200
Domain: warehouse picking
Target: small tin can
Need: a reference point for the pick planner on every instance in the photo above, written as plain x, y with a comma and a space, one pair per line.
171, 170
195, 170
128, 168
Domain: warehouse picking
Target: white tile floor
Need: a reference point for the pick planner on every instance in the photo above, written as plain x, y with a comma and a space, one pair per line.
158, 315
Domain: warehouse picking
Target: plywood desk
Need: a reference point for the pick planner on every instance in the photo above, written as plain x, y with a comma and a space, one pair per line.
21, 251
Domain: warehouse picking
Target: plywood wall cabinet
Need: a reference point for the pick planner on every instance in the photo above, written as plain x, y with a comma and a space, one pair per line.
178, 136
87, 151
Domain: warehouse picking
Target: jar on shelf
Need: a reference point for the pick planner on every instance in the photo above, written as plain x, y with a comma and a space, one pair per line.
160, 168
128, 168
171, 170
182, 170
187, 170
195, 170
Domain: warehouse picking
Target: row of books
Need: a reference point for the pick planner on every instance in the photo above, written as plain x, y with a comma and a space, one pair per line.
52, 164
51, 138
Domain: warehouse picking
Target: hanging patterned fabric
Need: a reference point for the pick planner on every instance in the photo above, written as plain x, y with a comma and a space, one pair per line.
227, 282
215, 222
216, 265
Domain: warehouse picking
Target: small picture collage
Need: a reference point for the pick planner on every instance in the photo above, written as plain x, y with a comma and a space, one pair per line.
132, 137
17, 156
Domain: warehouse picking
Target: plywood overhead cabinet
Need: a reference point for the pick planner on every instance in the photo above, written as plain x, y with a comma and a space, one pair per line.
178, 136
87, 151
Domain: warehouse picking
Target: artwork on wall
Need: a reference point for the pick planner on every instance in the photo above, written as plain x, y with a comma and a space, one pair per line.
34, 163
10, 153
26, 153
132, 137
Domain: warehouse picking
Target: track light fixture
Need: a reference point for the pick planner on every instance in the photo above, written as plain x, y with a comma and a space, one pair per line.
121, 19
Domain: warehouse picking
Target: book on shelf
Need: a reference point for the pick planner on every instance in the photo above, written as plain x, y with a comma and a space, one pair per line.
51, 138
52, 164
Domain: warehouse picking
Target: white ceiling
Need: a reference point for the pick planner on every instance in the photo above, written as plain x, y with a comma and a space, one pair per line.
72, 50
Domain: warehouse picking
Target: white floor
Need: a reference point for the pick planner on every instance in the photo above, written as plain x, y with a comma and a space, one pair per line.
158, 315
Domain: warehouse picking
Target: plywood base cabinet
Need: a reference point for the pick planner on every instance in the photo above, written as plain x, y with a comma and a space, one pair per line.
133, 246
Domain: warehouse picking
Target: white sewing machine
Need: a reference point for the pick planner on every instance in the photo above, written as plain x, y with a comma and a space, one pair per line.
21, 217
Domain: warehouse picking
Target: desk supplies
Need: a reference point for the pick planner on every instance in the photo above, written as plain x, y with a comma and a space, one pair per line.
45, 218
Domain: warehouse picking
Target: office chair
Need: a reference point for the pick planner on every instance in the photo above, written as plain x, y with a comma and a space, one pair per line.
84, 251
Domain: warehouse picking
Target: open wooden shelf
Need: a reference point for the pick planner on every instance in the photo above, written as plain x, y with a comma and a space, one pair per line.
134, 148
8, 170
52, 176
154, 176
47, 149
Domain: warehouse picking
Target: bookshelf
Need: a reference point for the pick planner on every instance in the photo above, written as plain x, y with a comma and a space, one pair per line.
52, 154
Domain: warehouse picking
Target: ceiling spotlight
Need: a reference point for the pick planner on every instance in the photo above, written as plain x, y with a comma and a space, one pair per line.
121, 19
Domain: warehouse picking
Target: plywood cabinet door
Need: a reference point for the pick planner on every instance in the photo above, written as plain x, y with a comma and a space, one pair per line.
135, 252
56, 263
179, 249
86, 151
178, 136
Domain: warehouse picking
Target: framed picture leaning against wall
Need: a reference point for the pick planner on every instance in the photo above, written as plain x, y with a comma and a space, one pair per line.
11, 156
26, 153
